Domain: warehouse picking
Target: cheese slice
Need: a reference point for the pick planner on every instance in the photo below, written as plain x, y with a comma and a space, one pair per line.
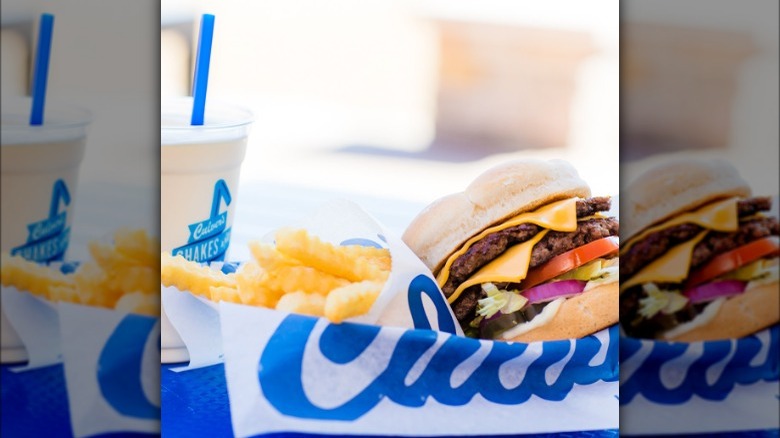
559, 216
718, 216
509, 267
671, 267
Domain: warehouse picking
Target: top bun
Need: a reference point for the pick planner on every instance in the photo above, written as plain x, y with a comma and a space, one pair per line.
497, 194
675, 187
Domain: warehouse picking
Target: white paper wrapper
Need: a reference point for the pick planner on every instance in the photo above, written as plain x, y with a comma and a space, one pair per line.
410, 298
110, 361
296, 373
700, 387
31, 330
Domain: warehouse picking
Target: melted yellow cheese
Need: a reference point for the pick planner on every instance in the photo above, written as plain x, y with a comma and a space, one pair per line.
559, 216
509, 267
671, 267
718, 216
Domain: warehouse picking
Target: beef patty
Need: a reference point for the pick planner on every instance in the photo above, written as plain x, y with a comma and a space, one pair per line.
656, 244
552, 244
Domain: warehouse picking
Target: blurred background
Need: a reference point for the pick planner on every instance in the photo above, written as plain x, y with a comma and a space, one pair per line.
103, 59
395, 103
699, 77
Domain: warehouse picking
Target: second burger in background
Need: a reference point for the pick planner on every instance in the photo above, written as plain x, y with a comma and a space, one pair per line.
524, 253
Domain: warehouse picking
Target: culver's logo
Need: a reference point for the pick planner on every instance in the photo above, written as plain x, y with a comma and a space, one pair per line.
673, 373
408, 367
209, 239
48, 239
121, 367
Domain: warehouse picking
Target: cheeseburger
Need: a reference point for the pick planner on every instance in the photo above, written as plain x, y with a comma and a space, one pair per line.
699, 255
523, 254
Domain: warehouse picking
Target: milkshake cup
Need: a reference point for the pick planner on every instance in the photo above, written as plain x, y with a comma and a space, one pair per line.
38, 177
200, 168
40, 166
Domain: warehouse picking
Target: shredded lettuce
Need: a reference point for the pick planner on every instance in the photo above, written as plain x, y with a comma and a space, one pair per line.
658, 300
757, 270
514, 303
769, 273
593, 270
596, 273
499, 300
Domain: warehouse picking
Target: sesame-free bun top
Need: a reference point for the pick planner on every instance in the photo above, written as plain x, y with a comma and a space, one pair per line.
497, 194
675, 187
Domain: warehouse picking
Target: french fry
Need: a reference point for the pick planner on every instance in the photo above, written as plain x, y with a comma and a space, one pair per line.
106, 256
251, 279
379, 257
138, 278
300, 274
303, 279
186, 275
269, 257
30, 276
90, 280
352, 300
68, 294
303, 303
137, 302
121, 275
223, 293
138, 246
312, 251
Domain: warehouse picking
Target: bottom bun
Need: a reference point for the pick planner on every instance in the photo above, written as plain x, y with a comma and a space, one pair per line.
579, 316
739, 316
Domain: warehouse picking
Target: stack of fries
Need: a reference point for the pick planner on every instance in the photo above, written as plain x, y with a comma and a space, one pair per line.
122, 275
300, 274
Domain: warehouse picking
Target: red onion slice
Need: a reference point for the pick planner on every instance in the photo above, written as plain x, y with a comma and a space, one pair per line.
711, 291
556, 289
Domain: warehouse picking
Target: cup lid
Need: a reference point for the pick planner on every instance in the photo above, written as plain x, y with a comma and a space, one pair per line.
223, 121
61, 122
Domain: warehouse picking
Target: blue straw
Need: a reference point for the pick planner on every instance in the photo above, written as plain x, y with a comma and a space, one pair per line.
202, 69
41, 69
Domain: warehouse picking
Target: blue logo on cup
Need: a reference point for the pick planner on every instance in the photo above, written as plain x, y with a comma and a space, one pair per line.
48, 239
209, 239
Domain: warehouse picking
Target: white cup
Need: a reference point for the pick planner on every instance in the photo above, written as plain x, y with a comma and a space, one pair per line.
40, 166
200, 168
39, 174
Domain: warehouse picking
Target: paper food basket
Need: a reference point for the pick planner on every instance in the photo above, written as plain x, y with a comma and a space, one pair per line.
730, 385
75, 370
404, 369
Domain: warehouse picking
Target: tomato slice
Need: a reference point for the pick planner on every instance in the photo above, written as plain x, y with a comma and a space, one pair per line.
737, 257
570, 260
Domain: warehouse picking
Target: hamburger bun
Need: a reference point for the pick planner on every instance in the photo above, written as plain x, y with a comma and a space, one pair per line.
579, 316
738, 316
676, 187
502, 192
